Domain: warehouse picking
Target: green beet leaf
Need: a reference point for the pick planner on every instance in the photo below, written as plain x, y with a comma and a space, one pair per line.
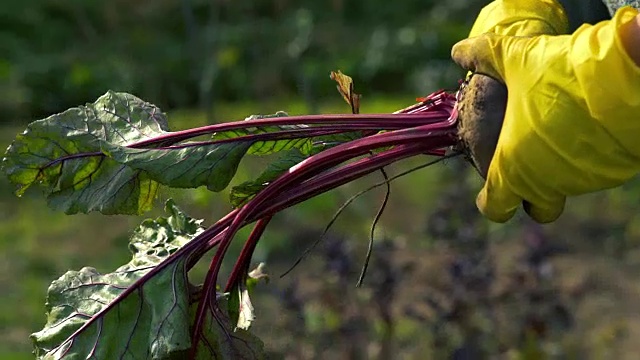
152, 322
62, 154
245, 191
184, 166
81, 158
144, 309
270, 146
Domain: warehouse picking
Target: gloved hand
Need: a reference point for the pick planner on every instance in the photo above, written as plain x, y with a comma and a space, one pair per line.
572, 119
521, 18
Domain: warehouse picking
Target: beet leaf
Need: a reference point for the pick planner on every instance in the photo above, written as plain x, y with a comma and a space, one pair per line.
152, 320
49, 153
268, 147
245, 191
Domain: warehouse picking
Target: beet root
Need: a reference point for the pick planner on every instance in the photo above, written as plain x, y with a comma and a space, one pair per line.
482, 102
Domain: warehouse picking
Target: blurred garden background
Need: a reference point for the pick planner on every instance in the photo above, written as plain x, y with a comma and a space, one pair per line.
443, 283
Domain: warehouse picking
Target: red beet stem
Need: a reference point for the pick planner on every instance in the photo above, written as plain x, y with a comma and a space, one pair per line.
429, 126
306, 170
398, 120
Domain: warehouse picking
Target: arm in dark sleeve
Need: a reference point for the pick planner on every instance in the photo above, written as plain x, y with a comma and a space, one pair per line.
590, 11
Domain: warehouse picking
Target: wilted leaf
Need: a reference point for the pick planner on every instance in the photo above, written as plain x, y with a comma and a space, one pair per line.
345, 87
256, 275
240, 306
152, 322
246, 314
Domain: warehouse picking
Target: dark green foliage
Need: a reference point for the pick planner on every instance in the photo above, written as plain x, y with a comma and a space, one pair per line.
182, 53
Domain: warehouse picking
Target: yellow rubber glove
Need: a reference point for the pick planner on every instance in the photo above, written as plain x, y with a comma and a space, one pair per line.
572, 122
521, 18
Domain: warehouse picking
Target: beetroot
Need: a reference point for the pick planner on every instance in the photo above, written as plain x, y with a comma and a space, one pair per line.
481, 106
